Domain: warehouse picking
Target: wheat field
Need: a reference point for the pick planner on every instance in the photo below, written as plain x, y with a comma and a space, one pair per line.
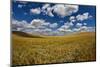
28, 50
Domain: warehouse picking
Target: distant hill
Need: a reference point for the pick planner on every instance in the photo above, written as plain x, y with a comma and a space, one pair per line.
27, 35
23, 34
85, 34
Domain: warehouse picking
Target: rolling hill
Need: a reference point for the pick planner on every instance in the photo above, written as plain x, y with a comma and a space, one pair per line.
32, 49
23, 34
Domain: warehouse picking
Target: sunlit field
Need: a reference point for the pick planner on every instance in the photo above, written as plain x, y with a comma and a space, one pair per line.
33, 49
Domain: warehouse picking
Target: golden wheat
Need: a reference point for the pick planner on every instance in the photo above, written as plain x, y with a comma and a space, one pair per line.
50, 49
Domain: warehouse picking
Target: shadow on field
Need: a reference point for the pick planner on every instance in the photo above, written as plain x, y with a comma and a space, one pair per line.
22, 34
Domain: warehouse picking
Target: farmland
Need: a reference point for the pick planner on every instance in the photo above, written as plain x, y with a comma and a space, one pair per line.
32, 49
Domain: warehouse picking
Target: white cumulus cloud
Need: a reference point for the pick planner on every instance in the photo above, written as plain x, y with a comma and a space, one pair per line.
54, 25
35, 10
79, 25
84, 16
18, 25
87, 29
61, 10
72, 19
66, 28
39, 23
20, 6
45, 6
84, 29
84, 23
49, 12
47, 9
65, 10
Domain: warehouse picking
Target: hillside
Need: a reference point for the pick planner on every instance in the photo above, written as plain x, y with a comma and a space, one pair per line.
49, 49
23, 34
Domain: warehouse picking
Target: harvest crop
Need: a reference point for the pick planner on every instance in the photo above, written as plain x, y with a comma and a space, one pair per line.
53, 49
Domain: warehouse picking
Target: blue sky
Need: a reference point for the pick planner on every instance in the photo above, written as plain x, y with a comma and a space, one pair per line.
62, 18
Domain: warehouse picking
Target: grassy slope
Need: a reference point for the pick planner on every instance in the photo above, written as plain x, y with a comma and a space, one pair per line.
22, 34
58, 49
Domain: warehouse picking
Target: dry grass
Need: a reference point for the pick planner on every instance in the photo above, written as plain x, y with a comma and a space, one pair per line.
49, 49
